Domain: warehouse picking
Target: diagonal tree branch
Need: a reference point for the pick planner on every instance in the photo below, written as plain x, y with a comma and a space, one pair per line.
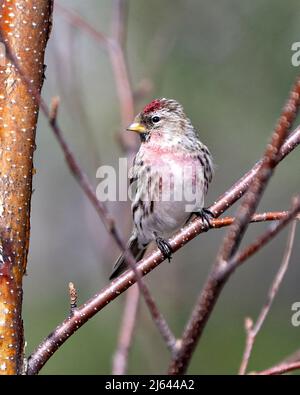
253, 329
50, 344
262, 240
215, 284
280, 369
294, 357
289, 363
257, 186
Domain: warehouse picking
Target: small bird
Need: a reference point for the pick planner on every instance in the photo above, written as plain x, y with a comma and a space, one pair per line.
170, 175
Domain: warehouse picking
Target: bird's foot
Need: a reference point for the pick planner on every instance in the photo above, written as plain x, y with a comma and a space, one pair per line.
206, 215
164, 247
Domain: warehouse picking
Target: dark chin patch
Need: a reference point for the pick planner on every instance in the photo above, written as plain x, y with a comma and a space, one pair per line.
144, 137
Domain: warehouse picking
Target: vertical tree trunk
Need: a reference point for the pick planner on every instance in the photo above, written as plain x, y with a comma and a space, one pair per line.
24, 27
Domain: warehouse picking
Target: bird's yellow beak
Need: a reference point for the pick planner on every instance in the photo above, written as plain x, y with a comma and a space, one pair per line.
137, 127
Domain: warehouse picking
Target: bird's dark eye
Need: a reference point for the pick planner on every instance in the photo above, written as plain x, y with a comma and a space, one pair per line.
155, 119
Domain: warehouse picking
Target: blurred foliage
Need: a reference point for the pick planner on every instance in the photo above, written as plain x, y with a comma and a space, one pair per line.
229, 64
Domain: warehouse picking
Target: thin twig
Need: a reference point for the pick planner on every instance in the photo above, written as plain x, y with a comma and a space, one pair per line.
279, 369
114, 47
294, 357
252, 330
77, 21
241, 186
212, 288
119, 65
120, 360
289, 363
123, 83
121, 75
73, 297
54, 110
119, 21
119, 34
217, 279
270, 159
263, 217
72, 90
272, 231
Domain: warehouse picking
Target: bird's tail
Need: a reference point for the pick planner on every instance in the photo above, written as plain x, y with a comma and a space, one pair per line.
121, 265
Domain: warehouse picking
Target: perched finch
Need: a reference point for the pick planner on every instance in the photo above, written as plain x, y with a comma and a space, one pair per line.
170, 173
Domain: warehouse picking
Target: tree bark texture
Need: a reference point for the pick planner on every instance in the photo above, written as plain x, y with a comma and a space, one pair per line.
24, 30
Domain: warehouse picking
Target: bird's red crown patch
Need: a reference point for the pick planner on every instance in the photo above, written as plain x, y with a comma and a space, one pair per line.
154, 105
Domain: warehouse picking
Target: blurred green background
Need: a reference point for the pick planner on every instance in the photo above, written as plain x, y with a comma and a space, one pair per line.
229, 63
